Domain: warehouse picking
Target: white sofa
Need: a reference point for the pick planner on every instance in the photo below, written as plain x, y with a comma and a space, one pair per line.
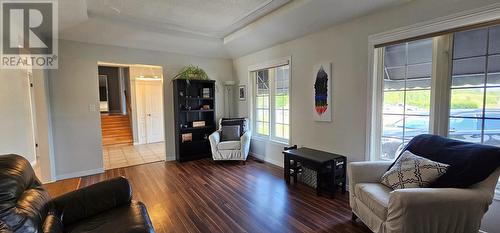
230, 150
416, 210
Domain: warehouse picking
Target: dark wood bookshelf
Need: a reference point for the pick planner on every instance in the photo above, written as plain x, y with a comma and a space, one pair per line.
188, 107
200, 110
196, 98
190, 129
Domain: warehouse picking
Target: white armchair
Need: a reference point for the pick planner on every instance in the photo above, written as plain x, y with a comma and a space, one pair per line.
230, 150
416, 210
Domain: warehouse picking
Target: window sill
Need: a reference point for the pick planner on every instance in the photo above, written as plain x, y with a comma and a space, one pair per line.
382, 159
268, 140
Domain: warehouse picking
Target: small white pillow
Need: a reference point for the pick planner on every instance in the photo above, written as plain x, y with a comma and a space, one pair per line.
413, 171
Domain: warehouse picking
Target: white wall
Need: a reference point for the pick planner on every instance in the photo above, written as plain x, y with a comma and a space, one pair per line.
74, 88
346, 46
16, 125
43, 126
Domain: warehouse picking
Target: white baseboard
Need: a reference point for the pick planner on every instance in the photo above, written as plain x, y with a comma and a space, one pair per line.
263, 158
79, 174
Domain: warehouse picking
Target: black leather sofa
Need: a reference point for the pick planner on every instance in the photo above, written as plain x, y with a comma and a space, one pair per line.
25, 205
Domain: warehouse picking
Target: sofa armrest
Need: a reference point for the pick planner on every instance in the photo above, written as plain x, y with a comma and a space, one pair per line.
436, 209
214, 139
4, 228
366, 172
245, 142
93, 199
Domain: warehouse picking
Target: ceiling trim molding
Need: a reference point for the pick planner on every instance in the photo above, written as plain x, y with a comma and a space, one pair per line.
252, 16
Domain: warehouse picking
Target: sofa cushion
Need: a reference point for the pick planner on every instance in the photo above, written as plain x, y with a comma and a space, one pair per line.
230, 133
375, 196
242, 122
470, 163
229, 145
23, 201
412, 171
127, 218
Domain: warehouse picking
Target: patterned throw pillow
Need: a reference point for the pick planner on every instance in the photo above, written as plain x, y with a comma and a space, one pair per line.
413, 171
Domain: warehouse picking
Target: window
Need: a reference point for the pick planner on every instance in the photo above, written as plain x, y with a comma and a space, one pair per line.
475, 88
272, 103
281, 104
406, 94
465, 85
262, 102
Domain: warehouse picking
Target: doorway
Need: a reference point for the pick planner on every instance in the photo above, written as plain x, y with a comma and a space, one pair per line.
132, 117
116, 126
149, 110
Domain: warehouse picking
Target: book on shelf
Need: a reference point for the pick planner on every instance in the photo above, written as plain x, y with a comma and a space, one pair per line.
198, 124
187, 137
206, 92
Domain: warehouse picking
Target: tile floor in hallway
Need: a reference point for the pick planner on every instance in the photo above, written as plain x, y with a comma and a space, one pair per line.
128, 155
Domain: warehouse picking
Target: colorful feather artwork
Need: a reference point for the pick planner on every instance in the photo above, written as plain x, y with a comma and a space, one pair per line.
321, 91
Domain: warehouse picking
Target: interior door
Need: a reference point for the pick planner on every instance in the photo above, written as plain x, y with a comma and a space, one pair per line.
149, 99
154, 106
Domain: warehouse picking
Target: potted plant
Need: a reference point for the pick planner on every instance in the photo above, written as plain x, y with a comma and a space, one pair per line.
192, 73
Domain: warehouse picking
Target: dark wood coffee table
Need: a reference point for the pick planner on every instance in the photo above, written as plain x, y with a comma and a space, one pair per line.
330, 168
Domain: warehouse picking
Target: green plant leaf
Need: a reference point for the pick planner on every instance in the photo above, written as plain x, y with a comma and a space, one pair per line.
192, 73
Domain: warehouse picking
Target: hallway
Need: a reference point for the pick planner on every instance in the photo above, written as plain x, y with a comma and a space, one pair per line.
116, 156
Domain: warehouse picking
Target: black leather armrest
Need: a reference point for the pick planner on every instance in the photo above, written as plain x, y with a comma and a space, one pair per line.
4, 228
92, 200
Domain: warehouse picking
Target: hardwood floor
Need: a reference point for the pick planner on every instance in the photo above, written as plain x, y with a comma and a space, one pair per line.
205, 196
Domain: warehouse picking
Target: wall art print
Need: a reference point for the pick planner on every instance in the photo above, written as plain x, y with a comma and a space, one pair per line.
323, 92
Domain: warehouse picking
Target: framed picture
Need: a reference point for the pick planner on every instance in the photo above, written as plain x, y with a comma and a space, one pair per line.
242, 92
322, 78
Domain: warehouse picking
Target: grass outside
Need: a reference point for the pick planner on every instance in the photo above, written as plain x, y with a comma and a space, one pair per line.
460, 98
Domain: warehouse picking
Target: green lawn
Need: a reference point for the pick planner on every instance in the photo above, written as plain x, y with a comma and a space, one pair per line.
460, 98
282, 101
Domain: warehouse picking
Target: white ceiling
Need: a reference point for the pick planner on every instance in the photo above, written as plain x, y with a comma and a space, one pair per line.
213, 28
214, 18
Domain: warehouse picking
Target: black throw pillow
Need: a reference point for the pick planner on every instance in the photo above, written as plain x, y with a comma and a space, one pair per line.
470, 163
230, 133
235, 121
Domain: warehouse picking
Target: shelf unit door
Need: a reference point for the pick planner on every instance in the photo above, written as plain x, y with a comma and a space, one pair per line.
149, 95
